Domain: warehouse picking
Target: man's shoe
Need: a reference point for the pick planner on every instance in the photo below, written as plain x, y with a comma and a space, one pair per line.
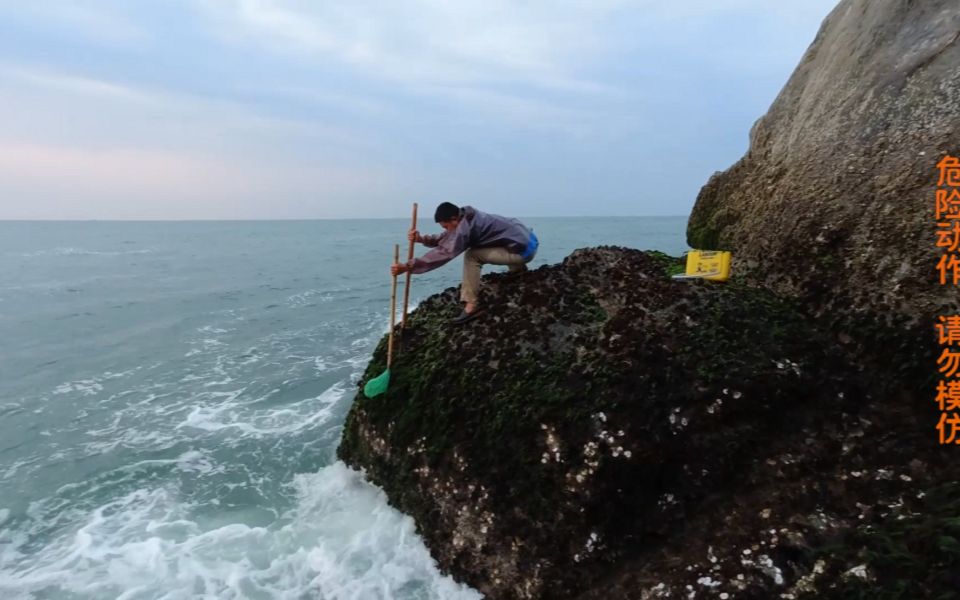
516, 272
465, 316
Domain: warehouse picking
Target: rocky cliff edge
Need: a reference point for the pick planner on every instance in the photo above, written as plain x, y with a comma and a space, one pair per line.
607, 431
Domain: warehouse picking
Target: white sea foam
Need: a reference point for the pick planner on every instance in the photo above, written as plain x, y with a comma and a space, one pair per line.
211, 329
224, 516
15, 468
309, 298
197, 462
250, 357
339, 539
91, 386
130, 437
290, 419
87, 387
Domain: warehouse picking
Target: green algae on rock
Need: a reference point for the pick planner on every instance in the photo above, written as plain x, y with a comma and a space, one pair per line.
596, 406
832, 203
607, 432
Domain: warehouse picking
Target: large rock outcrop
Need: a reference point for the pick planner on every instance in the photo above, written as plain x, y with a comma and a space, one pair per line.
833, 203
605, 429
608, 432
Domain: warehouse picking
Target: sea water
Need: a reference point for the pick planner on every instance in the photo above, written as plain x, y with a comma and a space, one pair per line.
172, 395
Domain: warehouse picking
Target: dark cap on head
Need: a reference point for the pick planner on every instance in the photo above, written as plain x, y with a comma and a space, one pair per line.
446, 211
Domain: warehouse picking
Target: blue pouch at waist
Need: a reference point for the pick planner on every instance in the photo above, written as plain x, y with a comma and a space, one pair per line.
532, 246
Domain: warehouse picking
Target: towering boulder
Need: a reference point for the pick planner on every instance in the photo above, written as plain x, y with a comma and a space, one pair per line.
605, 431
833, 202
596, 408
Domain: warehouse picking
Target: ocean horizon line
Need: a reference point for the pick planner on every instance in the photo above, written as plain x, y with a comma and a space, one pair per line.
297, 219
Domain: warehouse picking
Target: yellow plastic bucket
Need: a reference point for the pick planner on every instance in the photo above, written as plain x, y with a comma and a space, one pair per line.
708, 264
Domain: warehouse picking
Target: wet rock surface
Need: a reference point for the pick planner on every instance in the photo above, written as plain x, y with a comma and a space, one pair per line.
833, 202
605, 430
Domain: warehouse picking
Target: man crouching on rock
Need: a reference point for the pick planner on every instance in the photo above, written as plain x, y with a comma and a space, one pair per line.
486, 238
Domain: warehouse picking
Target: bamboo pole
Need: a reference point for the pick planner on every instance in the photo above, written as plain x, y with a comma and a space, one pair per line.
406, 287
393, 307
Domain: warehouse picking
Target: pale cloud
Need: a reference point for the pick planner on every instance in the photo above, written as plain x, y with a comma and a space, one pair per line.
469, 55
82, 147
259, 108
472, 42
714, 8
98, 22
353, 103
56, 181
73, 84
101, 170
423, 42
533, 113
46, 104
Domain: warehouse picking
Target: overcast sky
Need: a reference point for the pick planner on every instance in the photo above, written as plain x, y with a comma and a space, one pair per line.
240, 109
